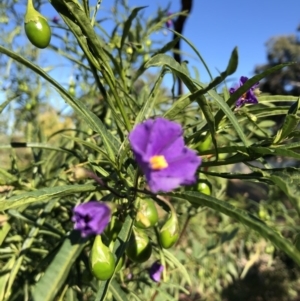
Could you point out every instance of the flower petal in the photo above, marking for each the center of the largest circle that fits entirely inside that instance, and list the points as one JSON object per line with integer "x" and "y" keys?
{"x": 243, "y": 79}
{"x": 139, "y": 136}
{"x": 179, "y": 172}
{"x": 163, "y": 134}
{"x": 155, "y": 271}
{"x": 91, "y": 218}
{"x": 249, "y": 96}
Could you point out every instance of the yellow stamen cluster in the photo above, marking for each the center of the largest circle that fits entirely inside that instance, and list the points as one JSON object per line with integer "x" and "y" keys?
{"x": 158, "y": 162}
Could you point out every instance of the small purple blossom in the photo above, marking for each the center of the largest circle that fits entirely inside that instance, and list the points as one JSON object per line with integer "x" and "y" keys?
{"x": 155, "y": 271}
{"x": 55, "y": 19}
{"x": 91, "y": 218}
{"x": 247, "y": 97}
{"x": 169, "y": 22}
{"x": 159, "y": 150}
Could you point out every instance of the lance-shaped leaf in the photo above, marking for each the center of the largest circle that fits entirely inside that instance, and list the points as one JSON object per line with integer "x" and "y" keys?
{"x": 290, "y": 123}
{"x": 200, "y": 199}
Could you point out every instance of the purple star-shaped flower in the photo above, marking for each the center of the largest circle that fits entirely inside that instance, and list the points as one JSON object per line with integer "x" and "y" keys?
{"x": 91, "y": 218}
{"x": 155, "y": 271}
{"x": 55, "y": 19}
{"x": 247, "y": 97}
{"x": 159, "y": 149}
{"x": 169, "y": 22}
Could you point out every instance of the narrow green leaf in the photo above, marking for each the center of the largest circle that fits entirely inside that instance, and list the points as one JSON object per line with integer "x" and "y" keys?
{"x": 277, "y": 98}
{"x": 44, "y": 194}
{"x": 6, "y": 178}
{"x": 290, "y": 123}
{"x": 110, "y": 142}
{"x": 243, "y": 217}
{"x": 57, "y": 272}
{"x": 195, "y": 50}
{"x": 37, "y": 145}
{"x": 181, "y": 72}
{"x": 230, "y": 115}
{"x": 4, "y": 230}
{"x": 6, "y": 103}
{"x": 287, "y": 179}
{"x": 148, "y": 105}
{"x": 4, "y": 278}
{"x": 167, "y": 47}
{"x": 164, "y": 49}
{"x": 275, "y": 151}
{"x": 90, "y": 145}
{"x": 294, "y": 107}
{"x": 179, "y": 106}
{"x": 161, "y": 60}
{"x": 71, "y": 19}
{"x": 117, "y": 291}
{"x": 28, "y": 241}
{"x": 128, "y": 23}
{"x": 179, "y": 265}
{"x": 231, "y": 68}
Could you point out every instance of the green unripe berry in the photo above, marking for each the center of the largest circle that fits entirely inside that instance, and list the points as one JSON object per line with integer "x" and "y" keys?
{"x": 203, "y": 188}
{"x": 38, "y": 33}
{"x": 139, "y": 48}
{"x": 129, "y": 50}
{"x": 205, "y": 143}
{"x": 101, "y": 259}
{"x": 146, "y": 57}
{"x": 169, "y": 233}
{"x": 36, "y": 27}
{"x": 263, "y": 213}
{"x": 146, "y": 215}
{"x": 270, "y": 249}
{"x": 139, "y": 246}
{"x": 28, "y": 106}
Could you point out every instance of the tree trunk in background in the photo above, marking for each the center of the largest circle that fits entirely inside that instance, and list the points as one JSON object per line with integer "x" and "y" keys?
{"x": 186, "y": 6}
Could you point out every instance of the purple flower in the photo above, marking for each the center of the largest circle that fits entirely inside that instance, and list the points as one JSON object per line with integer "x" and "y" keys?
{"x": 159, "y": 150}
{"x": 155, "y": 271}
{"x": 169, "y": 22}
{"x": 247, "y": 97}
{"x": 55, "y": 19}
{"x": 91, "y": 218}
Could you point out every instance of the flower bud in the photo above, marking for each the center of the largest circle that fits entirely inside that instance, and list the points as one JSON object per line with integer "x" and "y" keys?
{"x": 169, "y": 233}
{"x": 36, "y": 27}
{"x": 101, "y": 259}
{"x": 146, "y": 215}
{"x": 139, "y": 246}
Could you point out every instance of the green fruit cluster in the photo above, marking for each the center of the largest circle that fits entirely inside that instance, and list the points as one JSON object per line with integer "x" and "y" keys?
{"x": 139, "y": 247}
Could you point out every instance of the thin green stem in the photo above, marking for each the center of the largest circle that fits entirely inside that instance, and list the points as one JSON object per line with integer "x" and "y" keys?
{"x": 118, "y": 100}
